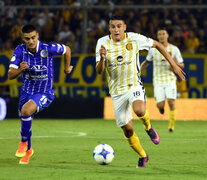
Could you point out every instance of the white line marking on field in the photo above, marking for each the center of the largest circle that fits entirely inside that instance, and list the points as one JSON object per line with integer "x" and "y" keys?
{"x": 71, "y": 134}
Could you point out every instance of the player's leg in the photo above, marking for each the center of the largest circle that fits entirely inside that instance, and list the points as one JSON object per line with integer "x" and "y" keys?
{"x": 134, "y": 143}
{"x": 159, "y": 93}
{"x": 35, "y": 104}
{"x": 38, "y": 102}
{"x": 133, "y": 140}
{"x": 172, "y": 114}
{"x": 139, "y": 108}
{"x": 28, "y": 109}
{"x": 171, "y": 93}
{"x": 123, "y": 114}
{"x": 161, "y": 107}
{"x": 137, "y": 99}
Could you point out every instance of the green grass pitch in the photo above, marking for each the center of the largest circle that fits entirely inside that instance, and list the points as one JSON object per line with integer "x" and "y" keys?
{"x": 63, "y": 151}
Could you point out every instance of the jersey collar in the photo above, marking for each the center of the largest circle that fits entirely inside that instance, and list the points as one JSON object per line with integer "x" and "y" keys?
{"x": 37, "y": 48}
{"x": 38, "y": 44}
{"x": 125, "y": 36}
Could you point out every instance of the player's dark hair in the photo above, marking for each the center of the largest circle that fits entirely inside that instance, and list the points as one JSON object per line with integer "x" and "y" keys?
{"x": 28, "y": 28}
{"x": 162, "y": 28}
{"x": 117, "y": 17}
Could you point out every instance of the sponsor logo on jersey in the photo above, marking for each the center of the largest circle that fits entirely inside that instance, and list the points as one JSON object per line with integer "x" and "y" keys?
{"x": 39, "y": 68}
{"x": 119, "y": 58}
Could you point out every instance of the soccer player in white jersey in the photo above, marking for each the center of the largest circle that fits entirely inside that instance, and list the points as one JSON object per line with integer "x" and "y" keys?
{"x": 118, "y": 53}
{"x": 34, "y": 61}
{"x": 164, "y": 80}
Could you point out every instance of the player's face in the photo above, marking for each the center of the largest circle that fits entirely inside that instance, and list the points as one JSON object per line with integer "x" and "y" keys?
{"x": 31, "y": 40}
{"x": 117, "y": 29}
{"x": 162, "y": 36}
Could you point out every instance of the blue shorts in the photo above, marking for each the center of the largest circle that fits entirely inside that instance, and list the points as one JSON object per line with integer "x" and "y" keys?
{"x": 42, "y": 101}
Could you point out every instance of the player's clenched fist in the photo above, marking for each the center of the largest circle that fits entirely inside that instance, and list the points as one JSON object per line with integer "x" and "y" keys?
{"x": 68, "y": 70}
{"x": 102, "y": 52}
{"x": 24, "y": 65}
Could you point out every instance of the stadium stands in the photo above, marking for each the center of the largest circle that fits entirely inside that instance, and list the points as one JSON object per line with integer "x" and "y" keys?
{"x": 51, "y": 22}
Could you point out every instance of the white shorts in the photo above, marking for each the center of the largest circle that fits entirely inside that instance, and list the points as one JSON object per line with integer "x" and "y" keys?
{"x": 165, "y": 91}
{"x": 123, "y": 103}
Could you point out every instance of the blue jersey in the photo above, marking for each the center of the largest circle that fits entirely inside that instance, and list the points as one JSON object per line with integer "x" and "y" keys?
{"x": 39, "y": 77}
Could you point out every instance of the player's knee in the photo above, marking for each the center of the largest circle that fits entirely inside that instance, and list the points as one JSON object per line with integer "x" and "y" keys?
{"x": 172, "y": 107}
{"x": 128, "y": 131}
{"x": 139, "y": 108}
{"x": 171, "y": 104}
{"x": 25, "y": 112}
{"x": 139, "y": 112}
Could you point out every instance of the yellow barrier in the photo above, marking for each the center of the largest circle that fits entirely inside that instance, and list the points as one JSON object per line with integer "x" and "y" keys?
{"x": 186, "y": 109}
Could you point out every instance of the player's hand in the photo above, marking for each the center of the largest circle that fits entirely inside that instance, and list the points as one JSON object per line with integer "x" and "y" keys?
{"x": 179, "y": 72}
{"x": 24, "y": 65}
{"x": 68, "y": 70}
{"x": 102, "y": 52}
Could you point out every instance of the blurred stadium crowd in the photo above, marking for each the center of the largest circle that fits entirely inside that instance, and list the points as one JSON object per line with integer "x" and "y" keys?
{"x": 187, "y": 27}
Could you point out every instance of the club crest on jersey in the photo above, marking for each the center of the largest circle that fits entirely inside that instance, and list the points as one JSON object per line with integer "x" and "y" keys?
{"x": 119, "y": 58}
{"x": 129, "y": 46}
{"x": 43, "y": 53}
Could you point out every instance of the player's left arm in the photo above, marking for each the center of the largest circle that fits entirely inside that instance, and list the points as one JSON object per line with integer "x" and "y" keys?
{"x": 176, "y": 69}
{"x": 67, "y": 57}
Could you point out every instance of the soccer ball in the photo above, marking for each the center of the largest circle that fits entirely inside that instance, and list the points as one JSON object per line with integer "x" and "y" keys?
{"x": 103, "y": 154}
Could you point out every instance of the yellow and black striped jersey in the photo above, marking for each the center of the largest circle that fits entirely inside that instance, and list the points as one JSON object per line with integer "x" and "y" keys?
{"x": 122, "y": 60}
{"x": 162, "y": 72}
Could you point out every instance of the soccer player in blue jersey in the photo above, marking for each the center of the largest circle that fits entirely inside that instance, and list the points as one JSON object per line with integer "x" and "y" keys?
{"x": 34, "y": 61}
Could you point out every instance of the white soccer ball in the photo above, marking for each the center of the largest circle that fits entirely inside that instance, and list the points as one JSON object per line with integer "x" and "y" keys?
{"x": 103, "y": 154}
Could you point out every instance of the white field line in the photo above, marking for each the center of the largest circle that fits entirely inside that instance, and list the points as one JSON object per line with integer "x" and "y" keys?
{"x": 84, "y": 135}
{"x": 71, "y": 134}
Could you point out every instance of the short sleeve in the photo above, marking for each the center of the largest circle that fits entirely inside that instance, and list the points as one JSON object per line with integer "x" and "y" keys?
{"x": 16, "y": 58}
{"x": 56, "y": 49}
{"x": 144, "y": 42}
{"x": 98, "y": 46}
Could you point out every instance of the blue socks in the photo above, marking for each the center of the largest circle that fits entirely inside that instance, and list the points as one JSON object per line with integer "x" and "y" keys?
{"x": 26, "y": 130}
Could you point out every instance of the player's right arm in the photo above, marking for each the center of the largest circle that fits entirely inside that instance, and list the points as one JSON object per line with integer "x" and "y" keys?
{"x": 100, "y": 55}
{"x": 68, "y": 68}
{"x": 14, "y": 73}
{"x": 100, "y": 66}
{"x": 17, "y": 66}
{"x": 147, "y": 61}
{"x": 144, "y": 65}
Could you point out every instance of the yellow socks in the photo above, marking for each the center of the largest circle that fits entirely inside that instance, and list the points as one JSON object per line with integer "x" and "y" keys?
{"x": 172, "y": 114}
{"x": 146, "y": 120}
{"x": 135, "y": 144}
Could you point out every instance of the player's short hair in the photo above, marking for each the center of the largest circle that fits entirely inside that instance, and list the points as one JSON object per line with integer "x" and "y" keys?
{"x": 28, "y": 28}
{"x": 162, "y": 28}
{"x": 117, "y": 17}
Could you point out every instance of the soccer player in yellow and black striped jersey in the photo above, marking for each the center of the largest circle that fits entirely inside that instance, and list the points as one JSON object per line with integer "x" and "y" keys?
{"x": 118, "y": 53}
{"x": 164, "y": 80}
